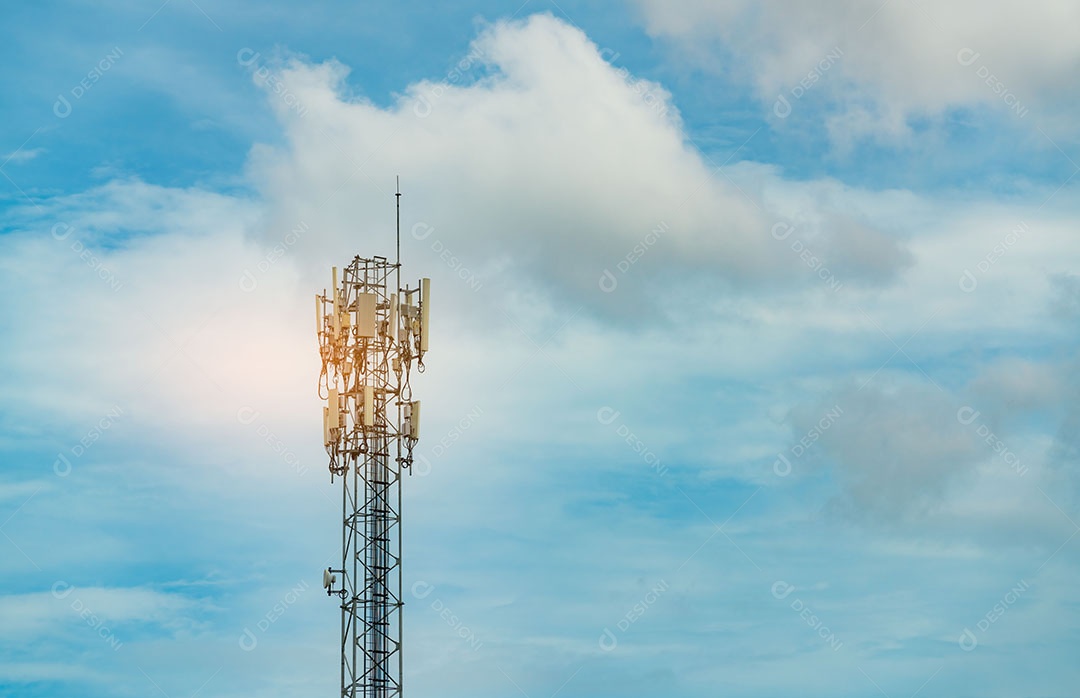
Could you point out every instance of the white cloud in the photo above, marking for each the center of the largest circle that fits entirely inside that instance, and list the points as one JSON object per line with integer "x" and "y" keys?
{"x": 883, "y": 63}
{"x": 21, "y": 155}
{"x": 550, "y": 169}
{"x": 68, "y": 606}
{"x": 901, "y": 449}
{"x": 895, "y": 452}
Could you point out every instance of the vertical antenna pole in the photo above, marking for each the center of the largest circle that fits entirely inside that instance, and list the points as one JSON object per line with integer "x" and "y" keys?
{"x": 397, "y": 196}
{"x": 400, "y": 461}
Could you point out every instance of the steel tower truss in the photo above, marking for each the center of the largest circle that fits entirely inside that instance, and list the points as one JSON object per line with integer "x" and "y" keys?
{"x": 372, "y": 334}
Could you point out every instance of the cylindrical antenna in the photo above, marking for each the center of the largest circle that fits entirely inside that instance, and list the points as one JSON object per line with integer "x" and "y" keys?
{"x": 397, "y": 196}
{"x": 397, "y": 264}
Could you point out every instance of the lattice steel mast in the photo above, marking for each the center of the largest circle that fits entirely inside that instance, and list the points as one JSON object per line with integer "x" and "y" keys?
{"x": 372, "y": 333}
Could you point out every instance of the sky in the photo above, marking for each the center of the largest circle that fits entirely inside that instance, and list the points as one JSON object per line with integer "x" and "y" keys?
{"x": 753, "y": 359}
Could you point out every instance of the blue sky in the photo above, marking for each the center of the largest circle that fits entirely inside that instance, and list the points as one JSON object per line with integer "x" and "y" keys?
{"x": 753, "y": 367}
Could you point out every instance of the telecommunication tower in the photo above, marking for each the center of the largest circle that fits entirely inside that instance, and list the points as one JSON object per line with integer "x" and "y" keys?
{"x": 372, "y": 333}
